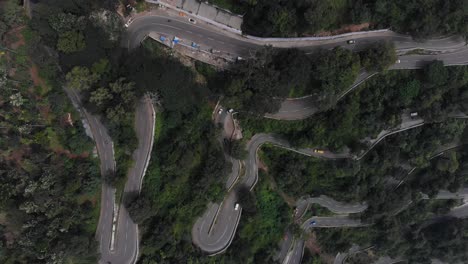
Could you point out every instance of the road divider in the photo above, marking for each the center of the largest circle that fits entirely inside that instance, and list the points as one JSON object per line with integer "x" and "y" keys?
{"x": 115, "y": 216}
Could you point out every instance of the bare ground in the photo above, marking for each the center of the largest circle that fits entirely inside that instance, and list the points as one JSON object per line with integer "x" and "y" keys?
{"x": 342, "y": 30}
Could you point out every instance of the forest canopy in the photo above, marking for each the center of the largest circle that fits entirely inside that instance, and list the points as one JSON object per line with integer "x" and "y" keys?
{"x": 420, "y": 18}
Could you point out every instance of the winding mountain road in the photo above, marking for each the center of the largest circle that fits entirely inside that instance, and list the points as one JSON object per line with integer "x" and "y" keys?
{"x": 334, "y": 206}
{"x": 125, "y": 248}
{"x": 122, "y": 247}
{"x": 451, "y": 50}
{"x": 213, "y": 231}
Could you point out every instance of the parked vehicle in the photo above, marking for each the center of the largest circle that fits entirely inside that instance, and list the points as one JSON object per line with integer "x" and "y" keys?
{"x": 319, "y": 151}
{"x": 236, "y": 207}
{"x": 351, "y": 41}
{"x": 191, "y": 20}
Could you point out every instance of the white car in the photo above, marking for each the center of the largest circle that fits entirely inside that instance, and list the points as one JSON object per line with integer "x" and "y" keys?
{"x": 220, "y": 111}
{"x": 231, "y": 111}
{"x": 191, "y": 20}
{"x": 398, "y": 61}
{"x": 129, "y": 22}
{"x": 351, "y": 41}
{"x": 236, "y": 207}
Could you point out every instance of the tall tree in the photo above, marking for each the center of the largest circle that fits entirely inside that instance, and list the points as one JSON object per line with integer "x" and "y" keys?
{"x": 71, "y": 41}
{"x": 80, "y": 78}
{"x": 379, "y": 56}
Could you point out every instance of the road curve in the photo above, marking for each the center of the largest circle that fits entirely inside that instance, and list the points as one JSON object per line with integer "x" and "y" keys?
{"x": 126, "y": 248}
{"x": 451, "y": 50}
{"x": 214, "y": 231}
{"x": 297, "y": 109}
{"x": 334, "y": 206}
{"x": 295, "y": 255}
{"x": 206, "y": 35}
{"x": 105, "y": 151}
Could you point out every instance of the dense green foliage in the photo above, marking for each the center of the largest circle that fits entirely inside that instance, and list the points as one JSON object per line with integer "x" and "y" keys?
{"x": 49, "y": 184}
{"x": 185, "y": 174}
{"x": 379, "y": 56}
{"x": 376, "y": 105}
{"x": 420, "y": 18}
{"x": 259, "y": 84}
{"x": 89, "y": 55}
{"x": 298, "y": 175}
{"x": 70, "y": 41}
{"x": 231, "y": 5}
{"x": 259, "y": 233}
{"x": 186, "y": 171}
{"x": 397, "y": 230}
{"x": 417, "y": 234}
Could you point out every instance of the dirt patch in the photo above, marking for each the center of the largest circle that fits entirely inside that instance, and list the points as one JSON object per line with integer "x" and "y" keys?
{"x": 288, "y": 199}
{"x": 45, "y": 111}
{"x": 9, "y": 238}
{"x": 342, "y": 30}
{"x": 12, "y": 72}
{"x": 16, "y": 155}
{"x": 14, "y": 39}
{"x": 34, "y": 72}
{"x": 20, "y": 41}
{"x": 70, "y": 155}
{"x": 312, "y": 245}
{"x": 262, "y": 166}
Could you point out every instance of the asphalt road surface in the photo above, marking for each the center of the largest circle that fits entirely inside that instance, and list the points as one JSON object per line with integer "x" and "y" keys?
{"x": 214, "y": 231}
{"x": 285, "y": 244}
{"x": 295, "y": 255}
{"x": 126, "y": 237}
{"x": 126, "y": 242}
{"x": 452, "y": 50}
{"x": 107, "y": 163}
{"x": 166, "y": 24}
{"x": 334, "y": 206}
{"x": 303, "y": 107}
{"x": 332, "y": 221}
